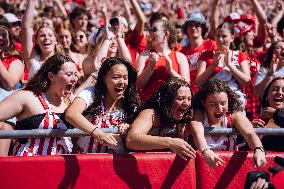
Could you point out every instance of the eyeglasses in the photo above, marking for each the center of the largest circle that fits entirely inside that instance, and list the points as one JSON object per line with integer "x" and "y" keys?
{"x": 154, "y": 29}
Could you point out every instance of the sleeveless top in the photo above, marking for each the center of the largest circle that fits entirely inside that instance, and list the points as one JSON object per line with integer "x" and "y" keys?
{"x": 106, "y": 119}
{"x": 159, "y": 76}
{"x": 35, "y": 66}
{"x": 48, "y": 145}
{"x": 225, "y": 142}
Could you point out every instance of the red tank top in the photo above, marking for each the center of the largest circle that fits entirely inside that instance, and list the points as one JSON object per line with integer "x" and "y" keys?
{"x": 159, "y": 76}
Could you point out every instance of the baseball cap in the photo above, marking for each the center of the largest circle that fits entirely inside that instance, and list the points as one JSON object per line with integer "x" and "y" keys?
{"x": 11, "y": 18}
{"x": 233, "y": 17}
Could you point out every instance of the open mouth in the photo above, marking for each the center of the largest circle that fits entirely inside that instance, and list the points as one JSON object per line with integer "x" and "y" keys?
{"x": 48, "y": 43}
{"x": 278, "y": 100}
{"x": 182, "y": 110}
{"x": 119, "y": 90}
{"x": 282, "y": 54}
{"x": 69, "y": 88}
{"x": 218, "y": 115}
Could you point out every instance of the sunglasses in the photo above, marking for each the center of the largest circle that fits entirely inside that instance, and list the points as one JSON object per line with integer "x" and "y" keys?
{"x": 80, "y": 36}
{"x": 154, "y": 29}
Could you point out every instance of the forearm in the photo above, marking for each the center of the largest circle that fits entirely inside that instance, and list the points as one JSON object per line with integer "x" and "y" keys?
{"x": 259, "y": 11}
{"x": 260, "y": 87}
{"x": 79, "y": 121}
{"x": 27, "y": 31}
{"x": 61, "y": 8}
{"x": 144, "y": 77}
{"x": 123, "y": 49}
{"x": 241, "y": 77}
{"x": 103, "y": 51}
{"x": 141, "y": 19}
{"x": 147, "y": 142}
{"x": 201, "y": 78}
{"x": 7, "y": 80}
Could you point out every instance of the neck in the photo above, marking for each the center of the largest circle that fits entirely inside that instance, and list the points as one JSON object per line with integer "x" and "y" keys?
{"x": 44, "y": 56}
{"x": 111, "y": 103}
{"x": 53, "y": 97}
{"x": 195, "y": 42}
{"x": 163, "y": 49}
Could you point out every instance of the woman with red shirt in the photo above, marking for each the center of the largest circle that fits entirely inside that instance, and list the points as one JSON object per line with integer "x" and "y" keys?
{"x": 159, "y": 63}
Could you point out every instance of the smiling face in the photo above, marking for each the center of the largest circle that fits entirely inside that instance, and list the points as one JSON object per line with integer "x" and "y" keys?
{"x": 65, "y": 80}
{"x": 116, "y": 81}
{"x": 4, "y": 39}
{"x": 113, "y": 46}
{"x": 46, "y": 40}
{"x": 216, "y": 106}
{"x": 181, "y": 103}
{"x": 248, "y": 38}
{"x": 223, "y": 38}
{"x": 276, "y": 94}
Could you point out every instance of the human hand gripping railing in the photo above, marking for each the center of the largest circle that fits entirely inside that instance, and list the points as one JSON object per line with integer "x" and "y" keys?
{"x": 38, "y": 133}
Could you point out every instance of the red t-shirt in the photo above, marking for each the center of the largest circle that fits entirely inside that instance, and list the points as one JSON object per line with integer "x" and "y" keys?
{"x": 136, "y": 43}
{"x": 193, "y": 55}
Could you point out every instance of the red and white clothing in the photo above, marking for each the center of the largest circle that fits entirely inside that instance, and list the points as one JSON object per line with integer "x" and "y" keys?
{"x": 193, "y": 55}
{"x": 106, "y": 119}
{"x": 44, "y": 146}
{"x": 225, "y": 142}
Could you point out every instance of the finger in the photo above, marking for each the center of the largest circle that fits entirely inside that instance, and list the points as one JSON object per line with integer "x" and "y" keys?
{"x": 188, "y": 155}
{"x": 190, "y": 147}
{"x": 190, "y": 152}
{"x": 220, "y": 160}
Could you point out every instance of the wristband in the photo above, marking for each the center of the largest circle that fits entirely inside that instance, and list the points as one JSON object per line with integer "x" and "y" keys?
{"x": 258, "y": 148}
{"x": 93, "y": 131}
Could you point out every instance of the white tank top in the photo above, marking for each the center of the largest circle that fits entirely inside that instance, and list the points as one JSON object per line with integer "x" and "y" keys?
{"x": 35, "y": 66}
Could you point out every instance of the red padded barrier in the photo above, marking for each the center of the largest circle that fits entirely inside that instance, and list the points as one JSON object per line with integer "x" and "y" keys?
{"x": 233, "y": 174}
{"x": 137, "y": 170}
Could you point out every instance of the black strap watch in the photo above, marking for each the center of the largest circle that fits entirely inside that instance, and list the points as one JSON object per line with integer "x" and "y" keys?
{"x": 258, "y": 148}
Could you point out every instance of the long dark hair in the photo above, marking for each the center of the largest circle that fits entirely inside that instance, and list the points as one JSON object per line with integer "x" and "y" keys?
{"x": 212, "y": 86}
{"x": 40, "y": 82}
{"x": 264, "y": 100}
{"x": 131, "y": 100}
{"x": 163, "y": 99}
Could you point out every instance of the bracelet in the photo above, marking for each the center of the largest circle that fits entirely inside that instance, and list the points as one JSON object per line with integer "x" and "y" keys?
{"x": 203, "y": 151}
{"x": 258, "y": 148}
{"x": 93, "y": 130}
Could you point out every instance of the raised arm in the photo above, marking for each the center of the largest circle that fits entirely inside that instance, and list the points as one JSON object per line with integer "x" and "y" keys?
{"x": 262, "y": 19}
{"x": 214, "y": 18}
{"x": 61, "y": 8}
{"x": 27, "y": 32}
{"x": 138, "y": 138}
{"x": 11, "y": 76}
{"x": 279, "y": 13}
{"x": 140, "y": 17}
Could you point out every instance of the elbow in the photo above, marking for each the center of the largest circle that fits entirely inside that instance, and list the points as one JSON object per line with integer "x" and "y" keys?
{"x": 9, "y": 86}
{"x": 69, "y": 115}
{"x": 129, "y": 142}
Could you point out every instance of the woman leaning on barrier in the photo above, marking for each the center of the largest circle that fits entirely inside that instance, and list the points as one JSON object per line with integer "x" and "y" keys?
{"x": 169, "y": 107}
{"x": 111, "y": 104}
{"x": 41, "y": 105}
{"x": 216, "y": 105}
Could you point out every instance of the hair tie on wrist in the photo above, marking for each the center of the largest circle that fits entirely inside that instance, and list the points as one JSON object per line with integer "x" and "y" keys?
{"x": 93, "y": 131}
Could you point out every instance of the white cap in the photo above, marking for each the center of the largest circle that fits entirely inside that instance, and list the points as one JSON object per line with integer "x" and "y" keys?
{"x": 11, "y": 18}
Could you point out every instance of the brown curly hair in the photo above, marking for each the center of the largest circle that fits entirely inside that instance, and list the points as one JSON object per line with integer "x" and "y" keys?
{"x": 216, "y": 86}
